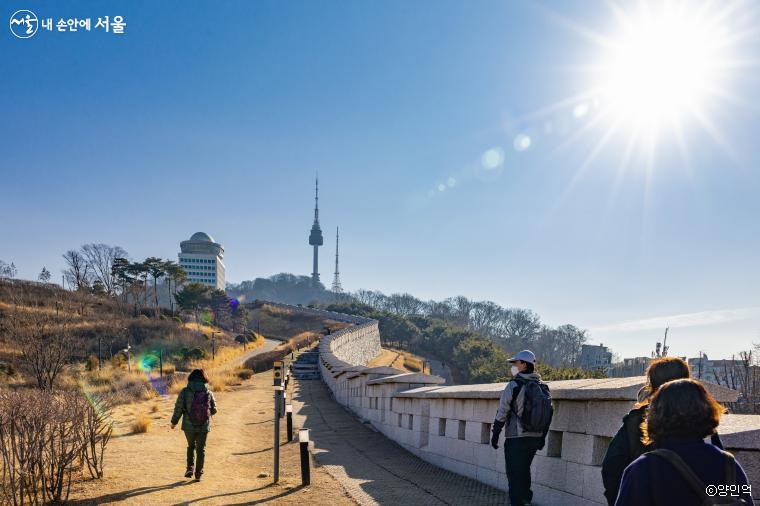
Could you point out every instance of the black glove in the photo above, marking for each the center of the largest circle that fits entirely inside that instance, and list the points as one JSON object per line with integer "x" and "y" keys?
{"x": 495, "y": 431}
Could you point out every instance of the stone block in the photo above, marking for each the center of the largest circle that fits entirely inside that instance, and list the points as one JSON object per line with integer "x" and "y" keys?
{"x": 467, "y": 409}
{"x": 473, "y": 431}
{"x": 461, "y": 450}
{"x": 573, "y": 479}
{"x": 452, "y": 428}
{"x": 604, "y": 418}
{"x": 452, "y": 408}
{"x": 584, "y": 448}
{"x": 484, "y": 410}
{"x": 437, "y": 445}
{"x": 463, "y": 468}
{"x": 436, "y": 408}
{"x": 549, "y": 471}
{"x": 488, "y": 458}
{"x": 487, "y": 476}
{"x": 593, "y": 488}
{"x": 569, "y": 416}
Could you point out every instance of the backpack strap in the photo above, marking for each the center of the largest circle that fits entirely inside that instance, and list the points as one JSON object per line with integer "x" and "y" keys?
{"x": 519, "y": 382}
{"x": 685, "y": 471}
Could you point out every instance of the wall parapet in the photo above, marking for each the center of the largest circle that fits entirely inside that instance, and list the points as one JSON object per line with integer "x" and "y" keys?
{"x": 450, "y": 426}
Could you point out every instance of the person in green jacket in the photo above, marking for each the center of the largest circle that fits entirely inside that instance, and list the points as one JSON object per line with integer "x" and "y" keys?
{"x": 195, "y": 405}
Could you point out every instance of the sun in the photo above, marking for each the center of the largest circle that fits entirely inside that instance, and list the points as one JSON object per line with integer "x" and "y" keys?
{"x": 663, "y": 64}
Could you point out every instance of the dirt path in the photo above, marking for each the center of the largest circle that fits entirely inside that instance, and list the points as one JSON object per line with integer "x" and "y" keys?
{"x": 147, "y": 469}
{"x": 269, "y": 345}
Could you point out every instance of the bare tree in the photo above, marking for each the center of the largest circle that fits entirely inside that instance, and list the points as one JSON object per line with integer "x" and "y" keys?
{"x": 100, "y": 259}
{"x": 7, "y": 271}
{"x": 519, "y": 327}
{"x": 484, "y": 318}
{"x": 404, "y": 304}
{"x": 78, "y": 272}
{"x": 46, "y": 344}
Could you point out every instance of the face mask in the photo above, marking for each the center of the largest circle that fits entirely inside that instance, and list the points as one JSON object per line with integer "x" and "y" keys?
{"x": 515, "y": 370}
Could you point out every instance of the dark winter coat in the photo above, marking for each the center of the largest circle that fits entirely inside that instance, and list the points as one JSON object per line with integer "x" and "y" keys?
{"x": 624, "y": 448}
{"x": 653, "y": 481}
{"x": 185, "y": 403}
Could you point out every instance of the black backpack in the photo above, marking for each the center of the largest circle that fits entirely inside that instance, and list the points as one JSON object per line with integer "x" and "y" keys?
{"x": 537, "y": 409}
{"x": 697, "y": 485}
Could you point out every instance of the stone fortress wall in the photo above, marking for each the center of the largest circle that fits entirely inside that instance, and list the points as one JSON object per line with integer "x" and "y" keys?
{"x": 450, "y": 426}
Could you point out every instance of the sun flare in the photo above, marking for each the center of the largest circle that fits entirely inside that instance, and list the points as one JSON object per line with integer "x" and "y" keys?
{"x": 662, "y": 65}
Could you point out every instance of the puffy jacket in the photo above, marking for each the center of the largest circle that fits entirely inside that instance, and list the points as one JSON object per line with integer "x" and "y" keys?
{"x": 652, "y": 481}
{"x": 626, "y": 447}
{"x": 513, "y": 428}
{"x": 185, "y": 403}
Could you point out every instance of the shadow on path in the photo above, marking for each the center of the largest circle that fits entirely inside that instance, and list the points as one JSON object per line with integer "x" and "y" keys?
{"x": 374, "y": 469}
{"x": 250, "y": 491}
{"x": 128, "y": 494}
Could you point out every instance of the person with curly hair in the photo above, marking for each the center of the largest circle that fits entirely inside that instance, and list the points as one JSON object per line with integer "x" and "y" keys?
{"x": 681, "y": 415}
{"x": 627, "y": 446}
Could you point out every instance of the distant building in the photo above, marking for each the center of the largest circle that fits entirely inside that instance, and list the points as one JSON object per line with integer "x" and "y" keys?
{"x": 714, "y": 371}
{"x": 595, "y": 357}
{"x": 635, "y": 366}
{"x": 201, "y": 258}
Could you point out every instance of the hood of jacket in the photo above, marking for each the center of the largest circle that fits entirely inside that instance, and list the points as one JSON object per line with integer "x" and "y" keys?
{"x": 197, "y": 386}
{"x": 530, "y": 376}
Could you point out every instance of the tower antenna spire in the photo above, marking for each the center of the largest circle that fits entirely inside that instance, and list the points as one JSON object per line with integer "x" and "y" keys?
{"x": 336, "y": 286}
{"x": 316, "y": 200}
{"x": 315, "y": 237}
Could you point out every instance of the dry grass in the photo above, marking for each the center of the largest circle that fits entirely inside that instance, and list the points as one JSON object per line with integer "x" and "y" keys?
{"x": 154, "y": 408}
{"x": 200, "y": 327}
{"x": 415, "y": 363}
{"x": 400, "y": 360}
{"x": 142, "y": 424}
{"x": 224, "y": 355}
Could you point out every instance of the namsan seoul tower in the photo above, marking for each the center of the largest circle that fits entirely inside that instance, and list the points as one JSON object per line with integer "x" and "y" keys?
{"x": 315, "y": 237}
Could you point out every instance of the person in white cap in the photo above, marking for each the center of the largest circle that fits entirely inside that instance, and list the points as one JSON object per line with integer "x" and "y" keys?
{"x": 525, "y": 412}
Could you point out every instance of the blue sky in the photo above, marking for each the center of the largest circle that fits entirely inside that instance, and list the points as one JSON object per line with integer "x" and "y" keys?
{"x": 211, "y": 118}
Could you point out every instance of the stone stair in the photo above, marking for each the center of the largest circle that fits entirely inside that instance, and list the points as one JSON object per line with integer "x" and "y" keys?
{"x": 306, "y": 366}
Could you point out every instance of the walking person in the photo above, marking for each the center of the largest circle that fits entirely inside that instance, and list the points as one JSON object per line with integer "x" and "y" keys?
{"x": 683, "y": 469}
{"x": 195, "y": 405}
{"x": 525, "y": 412}
{"x": 627, "y": 446}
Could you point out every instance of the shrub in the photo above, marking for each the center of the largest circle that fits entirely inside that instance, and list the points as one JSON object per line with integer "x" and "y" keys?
{"x": 245, "y": 374}
{"x": 196, "y": 353}
{"x": 142, "y": 424}
{"x": 44, "y": 437}
{"x": 119, "y": 361}
{"x": 92, "y": 363}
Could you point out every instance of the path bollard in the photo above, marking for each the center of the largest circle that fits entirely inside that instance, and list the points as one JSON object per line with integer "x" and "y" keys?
{"x": 278, "y": 395}
{"x": 283, "y": 403}
{"x": 289, "y": 414}
{"x": 303, "y": 439}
